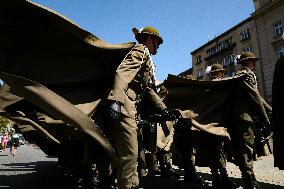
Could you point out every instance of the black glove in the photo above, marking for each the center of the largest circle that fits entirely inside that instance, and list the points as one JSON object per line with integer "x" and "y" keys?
{"x": 155, "y": 118}
{"x": 171, "y": 115}
{"x": 114, "y": 110}
{"x": 182, "y": 126}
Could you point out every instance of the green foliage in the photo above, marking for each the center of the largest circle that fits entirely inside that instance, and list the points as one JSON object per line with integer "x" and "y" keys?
{"x": 3, "y": 124}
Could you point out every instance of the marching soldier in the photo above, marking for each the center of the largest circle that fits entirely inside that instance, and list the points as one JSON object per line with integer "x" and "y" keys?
{"x": 217, "y": 148}
{"x": 134, "y": 78}
{"x": 217, "y": 72}
{"x": 184, "y": 148}
{"x": 242, "y": 124}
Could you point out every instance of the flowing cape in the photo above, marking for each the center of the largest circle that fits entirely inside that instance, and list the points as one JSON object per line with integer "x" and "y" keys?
{"x": 209, "y": 104}
{"x": 52, "y": 66}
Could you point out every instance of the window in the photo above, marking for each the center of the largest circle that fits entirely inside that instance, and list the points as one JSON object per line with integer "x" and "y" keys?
{"x": 219, "y": 47}
{"x": 199, "y": 73}
{"x": 198, "y": 59}
{"x": 278, "y": 28}
{"x": 280, "y": 52}
{"x": 231, "y": 58}
{"x": 224, "y": 61}
{"x": 245, "y": 34}
{"x": 247, "y": 49}
{"x": 223, "y": 44}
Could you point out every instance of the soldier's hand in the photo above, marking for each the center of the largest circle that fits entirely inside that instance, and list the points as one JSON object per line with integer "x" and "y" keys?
{"x": 171, "y": 114}
{"x": 114, "y": 110}
{"x": 181, "y": 125}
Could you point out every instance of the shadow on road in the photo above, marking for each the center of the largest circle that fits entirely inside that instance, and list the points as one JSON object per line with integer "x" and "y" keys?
{"x": 34, "y": 175}
{"x": 46, "y": 175}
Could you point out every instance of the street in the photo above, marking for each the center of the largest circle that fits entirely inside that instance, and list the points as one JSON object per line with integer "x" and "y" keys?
{"x": 31, "y": 169}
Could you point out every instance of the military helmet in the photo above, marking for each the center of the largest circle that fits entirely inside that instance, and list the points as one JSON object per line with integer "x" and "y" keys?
{"x": 148, "y": 31}
{"x": 217, "y": 68}
{"x": 246, "y": 56}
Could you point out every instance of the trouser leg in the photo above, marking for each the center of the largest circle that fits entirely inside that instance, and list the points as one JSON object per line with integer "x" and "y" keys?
{"x": 153, "y": 163}
{"x": 243, "y": 145}
{"x": 141, "y": 155}
{"x": 124, "y": 137}
{"x": 141, "y": 163}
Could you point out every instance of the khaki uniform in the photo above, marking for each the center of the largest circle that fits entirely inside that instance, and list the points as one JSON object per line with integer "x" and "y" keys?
{"x": 134, "y": 77}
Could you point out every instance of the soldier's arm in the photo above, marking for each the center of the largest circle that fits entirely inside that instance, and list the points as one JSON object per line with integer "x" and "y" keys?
{"x": 154, "y": 100}
{"x": 126, "y": 72}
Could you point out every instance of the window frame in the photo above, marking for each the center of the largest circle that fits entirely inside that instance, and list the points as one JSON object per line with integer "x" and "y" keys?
{"x": 280, "y": 51}
{"x": 278, "y": 28}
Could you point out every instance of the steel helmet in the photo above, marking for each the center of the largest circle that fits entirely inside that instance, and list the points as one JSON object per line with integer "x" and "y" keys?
{"x": 246, "y": 56}
{"x": 148, "y": 31}
{"x": 217, "y": 68}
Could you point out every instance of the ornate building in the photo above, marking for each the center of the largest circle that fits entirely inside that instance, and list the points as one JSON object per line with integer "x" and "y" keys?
{"x": 224, "y": 48}
{"x": 261, "y": 34}
{"x": 269, "y": 20}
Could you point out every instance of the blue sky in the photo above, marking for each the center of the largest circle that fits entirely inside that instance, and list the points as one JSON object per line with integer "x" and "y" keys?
{"x": 184, "y": 25}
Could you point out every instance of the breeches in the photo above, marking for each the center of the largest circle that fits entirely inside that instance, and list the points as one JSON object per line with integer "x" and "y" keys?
{"x": 242, "y": 136}
{"x": 124, "y": 138}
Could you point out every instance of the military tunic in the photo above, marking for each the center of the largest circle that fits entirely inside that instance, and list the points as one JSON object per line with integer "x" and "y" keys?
{"x": 134, "y": 77}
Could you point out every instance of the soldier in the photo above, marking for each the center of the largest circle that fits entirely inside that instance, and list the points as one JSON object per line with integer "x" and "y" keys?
{"x": 184, "y": 149}
{"x": 217, "y": 72}
{"x": 163, "y": 154}
{"x": 134, "y": 78}
{"x": 217, "y": 148}
{"x": 242, "y": 124}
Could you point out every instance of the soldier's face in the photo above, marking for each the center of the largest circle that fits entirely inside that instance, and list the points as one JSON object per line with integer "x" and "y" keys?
{"x": 250, "y": 63}
{"x": 152, "y": 43}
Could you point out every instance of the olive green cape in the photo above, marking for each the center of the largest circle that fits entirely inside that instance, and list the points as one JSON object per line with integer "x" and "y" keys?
{"x": 55, "y": 70}
{"x": 208, "y": 105}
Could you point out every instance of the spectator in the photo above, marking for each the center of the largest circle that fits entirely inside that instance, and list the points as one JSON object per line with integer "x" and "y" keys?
{"x": 4, "y": 141}
{"x": 14, "y": 143}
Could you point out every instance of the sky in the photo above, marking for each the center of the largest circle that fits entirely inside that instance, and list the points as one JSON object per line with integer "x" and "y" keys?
{"x": 184, "y": 25}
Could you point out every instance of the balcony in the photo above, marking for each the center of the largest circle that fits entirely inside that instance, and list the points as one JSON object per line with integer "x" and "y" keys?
{"x": 220, "y": 51}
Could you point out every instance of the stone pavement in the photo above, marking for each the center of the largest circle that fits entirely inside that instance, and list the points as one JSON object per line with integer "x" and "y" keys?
{"x": 268, "y": 176}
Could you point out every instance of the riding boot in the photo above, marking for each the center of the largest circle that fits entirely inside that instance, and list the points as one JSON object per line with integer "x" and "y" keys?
{"x": 216, "y": 179}
{"x": 190, "y": 175}
{"x": 171, "y": 171}
{"x": 165, "y": 167}
{"x": 164, "y": 171}
{"x": 250, "y": 182}
{"x": 226, "y": 181}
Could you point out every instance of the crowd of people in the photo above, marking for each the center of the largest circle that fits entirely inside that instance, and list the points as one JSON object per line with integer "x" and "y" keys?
{"x": 10, "y": 141}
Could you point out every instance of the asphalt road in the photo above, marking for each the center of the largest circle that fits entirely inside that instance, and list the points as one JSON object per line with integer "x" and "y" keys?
{"x": 32, "y": 169}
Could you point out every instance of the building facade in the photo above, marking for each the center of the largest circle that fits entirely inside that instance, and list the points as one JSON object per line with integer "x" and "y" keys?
{"x": 224, "y": 48}
{"x": 261, "y": 34}
{"x": 269, "y": 20}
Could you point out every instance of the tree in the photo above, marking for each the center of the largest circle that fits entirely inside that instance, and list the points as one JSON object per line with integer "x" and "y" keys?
{"x": 3, "y": 124}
